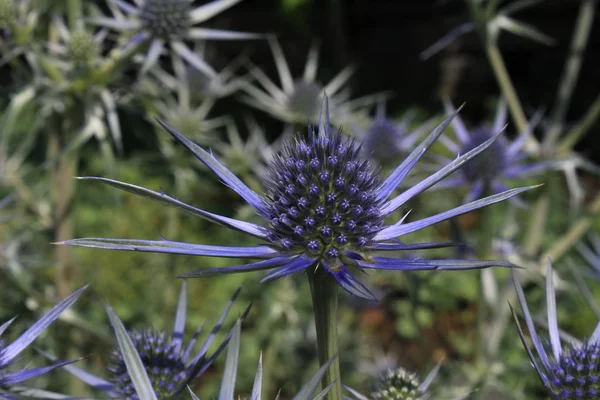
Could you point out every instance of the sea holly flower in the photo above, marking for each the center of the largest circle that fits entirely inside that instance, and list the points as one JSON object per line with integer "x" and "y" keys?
{"x": 168, "y": 364}
{"x": 502, "y": 162}
{"x": 571, "y": 372}
{"x": 298, "y": 99}
{"x": 399, "y": 384}
{"x": 387, "y": 139}
{"x": 324, "y": 207}
{"x": 170, "y": 23}
{"x": 9, "y": 353}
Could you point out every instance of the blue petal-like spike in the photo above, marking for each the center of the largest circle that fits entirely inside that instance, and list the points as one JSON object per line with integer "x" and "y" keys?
{"x": 167, "y": 246}
{"x": 415, "y": 246}
{"x": 431, "y": 180}
{"x": 257, "y": 266}
{"x": 297, "y": 264}
{"x": 180, "y": 316}
{"x": 11, "y": 378}
{"x": 225, "y": 174}
{"x": 350, "y": 284}
{"x": 399, "y": 173}
{"x": 399, "y": 264}
{"x": 246, "y": 227}
{"x": 16, "y": 347}
{"x": 402, "y": 229}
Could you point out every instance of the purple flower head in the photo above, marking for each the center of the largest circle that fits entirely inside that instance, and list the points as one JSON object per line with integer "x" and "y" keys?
{"x": 502, "y": 162}
{"x": 9, "y": 352}
{"x": 567, "y": 373}
{"x": 324, "y": 207}
{"x": 169, "y": 365}
{"x": 387, "y": 140}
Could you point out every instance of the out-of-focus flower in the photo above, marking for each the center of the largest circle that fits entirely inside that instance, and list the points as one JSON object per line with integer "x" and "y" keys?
{"x": 227, "y": 390}
{"x": 298, "y": 100}
{"x": 170, "y": 22}
{"x": 325, "y": 205}
{"x": 387, "y": 139}
{"x": 504, "y": 160}
{"x": 568, "y": 373}
{"x": 17, "y": 22}
{"x": 9, "y": 352}
{"x": 169, "y": 365}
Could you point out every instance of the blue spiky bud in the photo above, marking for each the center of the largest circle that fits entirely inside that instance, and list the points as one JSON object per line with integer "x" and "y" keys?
{"x": 166, "y": 18}
{"x": 322, "y": 196}
{"x": 491, "y": 163}
{"x": 163, "y": 360}
{"x": 576, "y": 375}
{"x": 398, "y": 384}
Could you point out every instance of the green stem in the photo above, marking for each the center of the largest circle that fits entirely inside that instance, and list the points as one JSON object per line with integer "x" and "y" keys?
{"x": 582, "y": 127}
{"x": 324, "y": 288}
{"x": 583, "y": 27}
{"x": 481, "y": 20}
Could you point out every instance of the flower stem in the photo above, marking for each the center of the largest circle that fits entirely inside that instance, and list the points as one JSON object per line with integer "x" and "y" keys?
{"x": 324, "y": 288}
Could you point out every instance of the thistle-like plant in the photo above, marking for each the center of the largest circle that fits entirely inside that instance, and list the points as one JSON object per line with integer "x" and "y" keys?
{"x": 568, "y": 373}
{"x": 298, "y": 99}
{"x": 386, "y": 139}
{"x": 325, "y": 207}
{"x": 17, "y": 22}
{"x": 169, "y": 24}
{"x": 502, "y": 162}
{"x": 168, "y": 364}
{"x": 399, "y": 384}
{"x": 227, "y": 390}
{"x": 10, "y": 380}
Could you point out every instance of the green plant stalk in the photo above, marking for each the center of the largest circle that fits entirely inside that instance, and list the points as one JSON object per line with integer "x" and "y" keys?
{"x": 572, "y": 67}
{"x": 496, "y": 61}
{"x": 324, "y": 289}
{"x": 537, "y": 225}
{"x": 573, "y": 235}
{"x": 74, "y": 11}
{"x": 577, "y": 132}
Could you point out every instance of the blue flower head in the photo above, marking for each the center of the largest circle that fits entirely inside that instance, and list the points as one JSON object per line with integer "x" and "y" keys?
{"x": 386, "y": 139}
{"x": 567, "y": 373}
{"x": 501, "y": 162}
{"x": 324, "y": 206}
{"x": 9, "y": 352}
{"x": 169, "y": 365}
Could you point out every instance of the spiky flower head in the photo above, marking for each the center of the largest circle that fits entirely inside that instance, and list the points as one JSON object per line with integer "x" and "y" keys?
{"x": 9, "y": 353}
{"x": 567, "y": 373}
{"x": 166, "y": 19}
{"x": 503, "y": 160}
{"x": 324, "y": 208}
{"x": 8, "y": 14}
{"x": 163, "y": 358}
{"x": 398, "y": 384}
{"x": 170, "y": 24}
{"x": 83, "y": 49}
{"x": 298, "y": 98}
{"x": 387, "y": 140}
{"x": 168, "y": 364}
{"x": 321, "y": 197}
